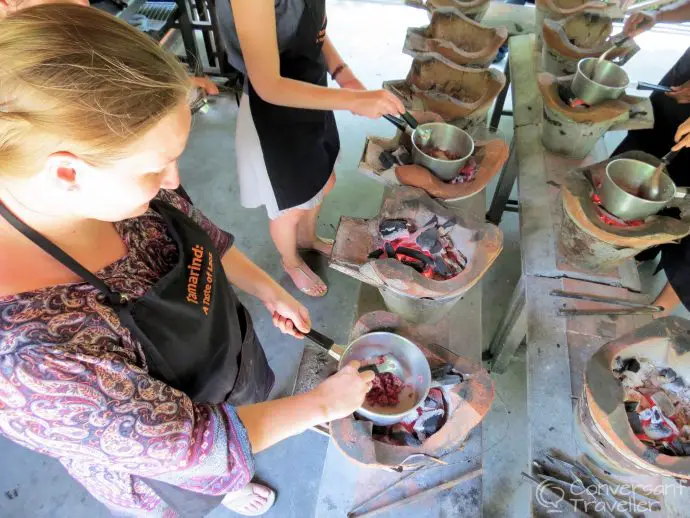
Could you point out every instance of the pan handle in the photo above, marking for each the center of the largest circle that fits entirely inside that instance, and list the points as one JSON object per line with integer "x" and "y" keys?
{"x": 320, "y": 339}
{"x": 398, "y": 123}
{"x": 642, "y": 85}
{"x": 411, "y": 121}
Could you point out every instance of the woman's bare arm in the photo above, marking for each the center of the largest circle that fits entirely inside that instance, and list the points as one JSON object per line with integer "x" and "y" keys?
{"x": 262, "y": 60}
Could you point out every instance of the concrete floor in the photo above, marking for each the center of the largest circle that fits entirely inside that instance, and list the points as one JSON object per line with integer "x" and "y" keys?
{"x": 369, "y": 35}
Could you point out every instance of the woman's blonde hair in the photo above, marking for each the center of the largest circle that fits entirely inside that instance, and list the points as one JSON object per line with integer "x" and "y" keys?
{"x": 75, "y": 79}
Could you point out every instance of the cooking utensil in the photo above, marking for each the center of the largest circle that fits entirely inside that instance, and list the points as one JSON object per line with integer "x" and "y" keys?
{"x": 413, "y": 368}
{"x": 598, "y": 72}
{"x": 612, "y": 81}
{"x": 621, "y": 183}
{"x": 439, "y": 135}
{"x": 650, "y": 189}
{"x": 632, "y": 308}
{"x": 641, "y": 85}
{"x": 335, "y": 351}
{"x": 418, "y": 496}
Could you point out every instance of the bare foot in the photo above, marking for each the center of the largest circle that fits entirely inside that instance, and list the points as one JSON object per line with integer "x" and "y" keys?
{"x": 306, "y": 280}
{"x": 251, "y": 500}
{"x": 320, "y": 244}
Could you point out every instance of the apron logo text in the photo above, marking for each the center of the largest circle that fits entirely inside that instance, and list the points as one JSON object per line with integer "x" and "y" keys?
{"x": 209, "y": 285}
{"x": 197, "y": 276}
{"x": 194, "y": 269}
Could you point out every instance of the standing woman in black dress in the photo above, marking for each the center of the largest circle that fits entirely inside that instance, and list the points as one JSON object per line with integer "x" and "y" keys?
{"x": 286, "y": 140}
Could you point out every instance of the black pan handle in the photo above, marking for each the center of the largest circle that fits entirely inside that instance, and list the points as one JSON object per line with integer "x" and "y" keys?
{"x": 666, "y": 159}
{"x": 398, "y": 123}
{"x": 411, "y": 121}
{"x": 327, "y": 343}
{"x": 320, "y": 339}
{"x": 641, "y": 85}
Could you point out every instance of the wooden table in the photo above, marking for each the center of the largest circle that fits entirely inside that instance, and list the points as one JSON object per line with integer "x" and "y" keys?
{"x": 345, "y": 484}
{"x": 557, "y": 347}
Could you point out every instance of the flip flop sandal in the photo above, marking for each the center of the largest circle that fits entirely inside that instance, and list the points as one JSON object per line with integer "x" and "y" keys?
{"x": 323, "y": 240}
{"x": 270, "y": 500}
{"x": 311, "y": 276}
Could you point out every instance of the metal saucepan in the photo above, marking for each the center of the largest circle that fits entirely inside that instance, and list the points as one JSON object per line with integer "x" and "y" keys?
{"x": 611, "y": 84}
{"x": 414, "y": 367}
{"x": 623, "y": 179}
{"x": 440, "y": 135}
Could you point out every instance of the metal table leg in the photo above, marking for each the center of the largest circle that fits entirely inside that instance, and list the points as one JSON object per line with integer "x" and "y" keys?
{"x": 506, "y": 180}
{"x": 511, "y": 331}
{"x": 501, "y": 99}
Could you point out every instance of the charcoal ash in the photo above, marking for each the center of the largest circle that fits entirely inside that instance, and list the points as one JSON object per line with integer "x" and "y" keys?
{"x": 428, "y": 239}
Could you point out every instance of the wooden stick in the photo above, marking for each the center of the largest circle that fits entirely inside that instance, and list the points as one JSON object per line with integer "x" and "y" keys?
{"x": 421, "y": 495}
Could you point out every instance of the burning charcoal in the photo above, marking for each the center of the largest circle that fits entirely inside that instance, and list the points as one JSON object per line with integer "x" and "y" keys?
{"x": 391, "y": 229}
{"x": 404, "y": 438}
{"x": 632, "y": 406}
{"x": 635, "y": 423}
{"x": 417, "y": 265}
{"x": 437, "y": 248}
{"x": 415, "y": 254}
{"x": 629, "y": 364}
{"x": 375, "y": 254}
{"x": 441, "y": 268}
{"x": 450, "y": 223}
{"x": 428, "y": 239}
{"x": 665, "y": 405}
{"x": 432, "y": 222}
{"x": 390, "y": 252}
{"x": 432, "y": 424}
{"x": 656, "y": 426}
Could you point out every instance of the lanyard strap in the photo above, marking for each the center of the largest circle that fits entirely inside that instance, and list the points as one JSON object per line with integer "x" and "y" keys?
{"x": 60, "y": 255}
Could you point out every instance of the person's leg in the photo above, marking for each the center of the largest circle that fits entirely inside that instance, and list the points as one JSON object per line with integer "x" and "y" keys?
{"x": 306, "y": 227}
{"x": 667, "y": 299}
{"x": 284, "y": 233}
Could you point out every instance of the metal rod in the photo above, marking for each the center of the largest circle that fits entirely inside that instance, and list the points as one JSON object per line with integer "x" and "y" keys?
{"x": 613, "y": 312}
{"x": 401, "y": 479}
{"x": 610, "y": 300}
{"x": 419, "y": 496}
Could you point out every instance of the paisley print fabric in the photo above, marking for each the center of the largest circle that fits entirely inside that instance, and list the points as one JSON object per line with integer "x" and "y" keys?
{"x": 74, "y": 385}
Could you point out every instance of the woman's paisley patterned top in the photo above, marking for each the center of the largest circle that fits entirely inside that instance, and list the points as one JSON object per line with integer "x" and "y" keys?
{"x": 74, "y": 385}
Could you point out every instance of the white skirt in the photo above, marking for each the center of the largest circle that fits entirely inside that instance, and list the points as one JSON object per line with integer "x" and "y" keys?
{"x": 255, "y": 185}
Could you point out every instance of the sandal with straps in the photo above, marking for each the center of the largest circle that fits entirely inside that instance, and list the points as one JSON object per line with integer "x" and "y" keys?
{"x": 316, "y": 288}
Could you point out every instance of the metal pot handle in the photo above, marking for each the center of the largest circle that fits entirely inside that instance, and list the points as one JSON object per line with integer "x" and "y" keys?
{"x": 334, "y": 350}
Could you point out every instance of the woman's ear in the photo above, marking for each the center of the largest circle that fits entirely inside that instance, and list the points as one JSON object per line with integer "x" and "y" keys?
{"x": 61, "y": 170}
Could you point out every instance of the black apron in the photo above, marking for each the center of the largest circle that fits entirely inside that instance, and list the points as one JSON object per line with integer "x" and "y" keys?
{"x": 196, "y": 335}
{"x": 668, "y": 115}
{"x": 299, "y": 146}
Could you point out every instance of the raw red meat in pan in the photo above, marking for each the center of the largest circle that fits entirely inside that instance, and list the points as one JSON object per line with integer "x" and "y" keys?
{"x": 385, "y": 390}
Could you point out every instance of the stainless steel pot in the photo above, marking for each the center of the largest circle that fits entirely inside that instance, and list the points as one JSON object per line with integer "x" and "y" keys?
{"x": 414, "y": 366}
{"x": 623, "y": 178}
{"x": 613, "y": 81}
{"x": 440, "y": 135}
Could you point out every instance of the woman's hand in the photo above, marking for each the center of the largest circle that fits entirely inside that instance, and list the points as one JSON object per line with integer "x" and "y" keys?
{"x": 206, "y": 85}
{"x": 682, "y": 136}
{"x": 376, "y": 103}
{"x": 681, "y": 93}
{"x": 637, "y": 23}
{"x": 291, "y": 317}
{"x": 344, "y": 392}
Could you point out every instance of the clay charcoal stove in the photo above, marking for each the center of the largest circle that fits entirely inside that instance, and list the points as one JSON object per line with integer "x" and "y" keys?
{"x": 593, "y": 239}
{"x": 635, "y": 409}
{"x": 429, "y": 250}
{"x": 420, "y": 255}
{"x": 459, "y": 399}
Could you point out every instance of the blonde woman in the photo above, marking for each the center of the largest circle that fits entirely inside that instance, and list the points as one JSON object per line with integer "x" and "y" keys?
{"x": 124, "y": 351}
{"x": 286, "y": 140}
